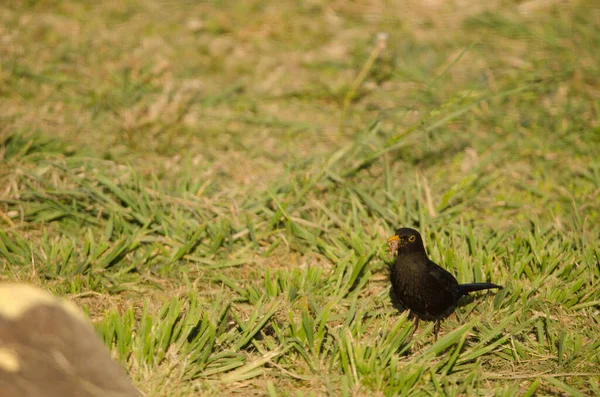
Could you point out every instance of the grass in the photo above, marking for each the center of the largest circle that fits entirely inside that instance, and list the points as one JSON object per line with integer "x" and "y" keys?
{"x": 214, "y": 183}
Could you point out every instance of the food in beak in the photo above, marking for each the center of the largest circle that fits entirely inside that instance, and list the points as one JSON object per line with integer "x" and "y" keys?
{"x": 393, "y": 243}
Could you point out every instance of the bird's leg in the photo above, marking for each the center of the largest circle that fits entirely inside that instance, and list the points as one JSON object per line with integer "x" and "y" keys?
{"x": 415, "y": 324}
{"x": 436, "y": 329}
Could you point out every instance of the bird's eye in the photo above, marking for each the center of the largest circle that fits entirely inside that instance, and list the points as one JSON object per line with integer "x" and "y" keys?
{"x": 412, "y": 238}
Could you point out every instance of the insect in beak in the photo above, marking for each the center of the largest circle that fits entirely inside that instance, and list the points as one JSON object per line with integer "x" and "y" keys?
{"x": 393, "y": 243}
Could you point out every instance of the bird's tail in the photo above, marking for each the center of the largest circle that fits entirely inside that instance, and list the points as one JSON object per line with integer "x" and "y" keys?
{"x": 472, "y": 287}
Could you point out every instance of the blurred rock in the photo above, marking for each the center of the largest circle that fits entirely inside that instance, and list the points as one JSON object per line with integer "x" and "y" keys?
{"x": 48, "y": 348}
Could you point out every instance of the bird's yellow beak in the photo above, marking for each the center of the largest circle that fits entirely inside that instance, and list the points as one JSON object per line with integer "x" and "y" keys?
{"x": 393, "y": 238}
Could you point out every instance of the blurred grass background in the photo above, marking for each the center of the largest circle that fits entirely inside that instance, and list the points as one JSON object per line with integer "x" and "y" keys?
{"x": 214, "y": 183}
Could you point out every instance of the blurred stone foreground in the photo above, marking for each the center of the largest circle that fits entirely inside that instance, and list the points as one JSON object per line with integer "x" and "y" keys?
{"x": 48, "y": 348}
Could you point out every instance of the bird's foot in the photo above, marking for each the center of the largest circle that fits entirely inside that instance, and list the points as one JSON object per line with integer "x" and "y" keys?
{"x": 436, "y": 329}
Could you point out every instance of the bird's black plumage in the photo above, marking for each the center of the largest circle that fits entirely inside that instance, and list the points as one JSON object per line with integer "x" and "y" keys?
{"x": 430, "y": 292}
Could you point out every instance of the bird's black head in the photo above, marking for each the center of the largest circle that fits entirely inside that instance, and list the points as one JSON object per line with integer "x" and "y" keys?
{"x": 406, "y": 240}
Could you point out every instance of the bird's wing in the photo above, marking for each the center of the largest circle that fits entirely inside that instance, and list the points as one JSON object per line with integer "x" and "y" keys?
{"x": 445, "y": 279}
{"x": 443, "y": 282}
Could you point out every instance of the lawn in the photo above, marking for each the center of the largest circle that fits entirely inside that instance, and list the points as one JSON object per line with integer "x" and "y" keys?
{"x": 214, "y": 183}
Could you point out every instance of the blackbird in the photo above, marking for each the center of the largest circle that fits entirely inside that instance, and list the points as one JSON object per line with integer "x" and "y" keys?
{"x": 420, "y": 285}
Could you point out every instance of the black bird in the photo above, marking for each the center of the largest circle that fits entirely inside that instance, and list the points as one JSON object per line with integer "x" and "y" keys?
{"x": 430, "y": 292}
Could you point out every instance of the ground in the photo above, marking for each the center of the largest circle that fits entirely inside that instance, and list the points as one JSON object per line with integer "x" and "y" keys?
{"x": 214, "y": 183}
